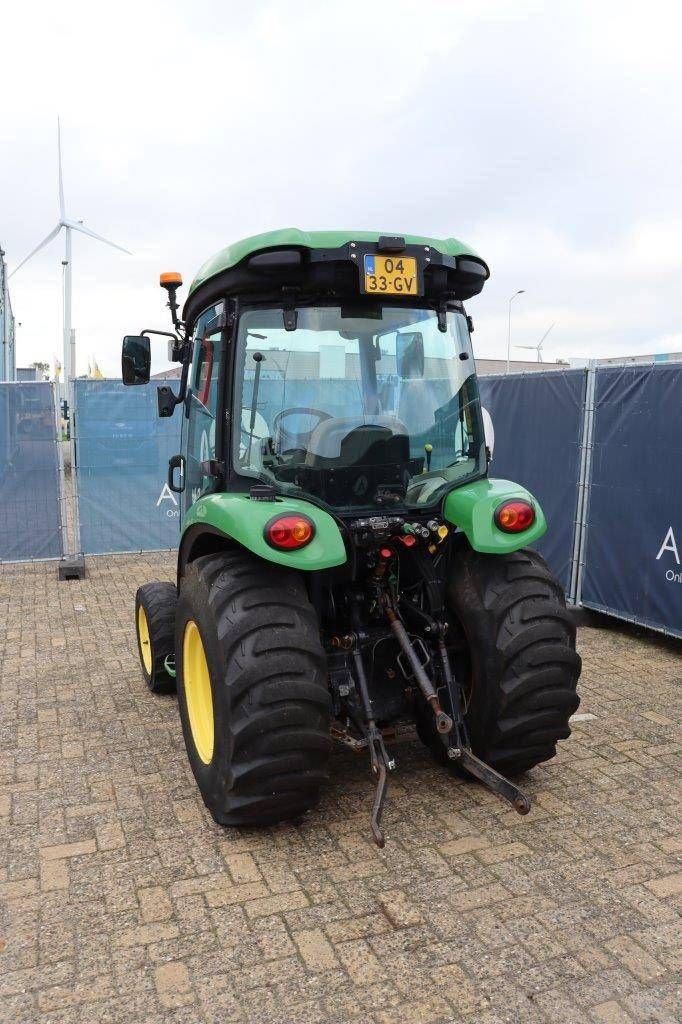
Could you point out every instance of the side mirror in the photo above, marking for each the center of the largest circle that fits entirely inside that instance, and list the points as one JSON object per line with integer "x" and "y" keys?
{"x": 409, "y": 355}
{"x": 136, "y": 359}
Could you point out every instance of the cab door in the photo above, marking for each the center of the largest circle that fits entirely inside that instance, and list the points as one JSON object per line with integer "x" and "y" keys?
{"x": 201, "y": 405}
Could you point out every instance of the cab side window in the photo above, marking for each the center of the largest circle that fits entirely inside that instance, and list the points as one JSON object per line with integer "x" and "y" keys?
{"x": 202, "y": 407}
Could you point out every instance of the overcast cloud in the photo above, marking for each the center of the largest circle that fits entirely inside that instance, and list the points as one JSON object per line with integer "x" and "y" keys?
{"x": 547, "y": 135}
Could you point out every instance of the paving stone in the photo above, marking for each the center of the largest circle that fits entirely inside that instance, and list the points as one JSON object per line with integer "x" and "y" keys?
{"x": 78, "y": 849}
{"x": 154, "y": 904}
{"x": 457, "y": 847}
{"x": 610, "y": 1013}
{"x": 122, "y": 901}
{"x": 399, "y": 908}
{"x": 54, "y": 874}
{"x": 315, "y": 949}
{"x": 634, "y": 958}
{"x": 671, "y": 885}
{"x": 173, "y": 985}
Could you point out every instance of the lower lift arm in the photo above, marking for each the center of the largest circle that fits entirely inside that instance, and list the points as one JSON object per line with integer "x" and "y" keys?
{"x": 451, "y": 728}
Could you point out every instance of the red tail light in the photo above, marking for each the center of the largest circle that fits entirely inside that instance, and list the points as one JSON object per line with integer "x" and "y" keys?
{"x": 289, "y": 532}
{"x": 514, "y": 516}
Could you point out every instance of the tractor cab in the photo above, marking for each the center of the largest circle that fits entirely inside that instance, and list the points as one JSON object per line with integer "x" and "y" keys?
{"x": 332, "y": 367}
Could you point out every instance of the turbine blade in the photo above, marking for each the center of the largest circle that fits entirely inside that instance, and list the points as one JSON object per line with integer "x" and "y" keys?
{"x": 62, "y": 212}
{"x": 93, "y": 234}
{"x": 534, "y": 347}
{"x": 52, "y": 234}
{"x": 545, "y": 335}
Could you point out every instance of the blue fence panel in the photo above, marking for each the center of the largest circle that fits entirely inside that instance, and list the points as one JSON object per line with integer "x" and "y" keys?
{"x": 122, "y": 452}
{"x": 30, "y": 522}
{"x": 633, "y": 544}
{"x": 537, "y": 421}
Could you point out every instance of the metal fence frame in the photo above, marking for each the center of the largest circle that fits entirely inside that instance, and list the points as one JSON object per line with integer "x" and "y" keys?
{"x": 584, "y": 446}
{"x": 61, "y": 500}
{"x": 582, "y": 523}
{"x": 580, "y": 527}
{"x": 80, "y": 489}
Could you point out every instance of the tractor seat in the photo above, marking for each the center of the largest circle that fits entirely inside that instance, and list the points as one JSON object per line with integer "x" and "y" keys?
{"x": 350, "y": 436}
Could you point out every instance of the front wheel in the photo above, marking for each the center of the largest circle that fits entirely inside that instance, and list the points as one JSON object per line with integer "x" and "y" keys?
{"x": 520, "y": 671}
{"x": 155, "y": 629}
{"x": 252, "y": 689}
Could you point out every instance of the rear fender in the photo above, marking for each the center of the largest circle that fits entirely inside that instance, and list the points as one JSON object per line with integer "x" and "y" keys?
{"x": 238, "y": 518}
{"x": 472, "y": 508}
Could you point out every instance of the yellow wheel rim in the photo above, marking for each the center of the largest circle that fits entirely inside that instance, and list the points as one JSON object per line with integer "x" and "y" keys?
{"x": 145, "y": 641}
{"x": 197, "y": 684}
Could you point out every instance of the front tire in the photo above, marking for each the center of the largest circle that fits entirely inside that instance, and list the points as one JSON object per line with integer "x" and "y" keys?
{"x": 252, "y": 689}
{"x": 155, "y": 628}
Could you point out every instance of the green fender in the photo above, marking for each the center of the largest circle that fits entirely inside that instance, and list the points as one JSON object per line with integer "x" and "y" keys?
{"x": 472, "y": 508}
{"x": 242, "y": 519}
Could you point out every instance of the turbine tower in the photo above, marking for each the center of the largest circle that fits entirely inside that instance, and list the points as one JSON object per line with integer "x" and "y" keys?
{"x": 69, "y": 226}
{"x": 538, "y": 348}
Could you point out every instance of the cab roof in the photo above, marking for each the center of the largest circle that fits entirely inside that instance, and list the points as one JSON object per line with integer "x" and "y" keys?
{"x": 296, "y": 239}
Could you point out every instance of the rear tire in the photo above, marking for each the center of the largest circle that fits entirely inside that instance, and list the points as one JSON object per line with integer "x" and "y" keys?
{"x": 522, "y": 666}
{"x": 155, "y": 627}
{"x": 267, "y": 674}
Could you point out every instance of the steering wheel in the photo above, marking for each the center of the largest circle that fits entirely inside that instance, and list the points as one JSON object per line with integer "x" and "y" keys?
{"x": 290, "y": 440}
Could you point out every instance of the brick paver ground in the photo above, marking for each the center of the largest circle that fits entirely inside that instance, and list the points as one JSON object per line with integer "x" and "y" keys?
{"x": 123, "y": 902}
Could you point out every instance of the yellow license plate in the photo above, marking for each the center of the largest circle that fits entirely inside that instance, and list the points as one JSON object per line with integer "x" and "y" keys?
{"x": 391, "y": 275}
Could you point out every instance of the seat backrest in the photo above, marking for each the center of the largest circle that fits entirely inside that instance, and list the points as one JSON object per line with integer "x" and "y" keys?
{"x": 327, "y": 437}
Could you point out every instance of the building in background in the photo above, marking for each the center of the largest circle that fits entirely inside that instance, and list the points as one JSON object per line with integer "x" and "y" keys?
{"x": 488, "y": 367}
{"x": 28, "y": 374}
{"x": 637, "y": 360}
{"x": 655, "y": 357}
{"x": 8, "y": 360}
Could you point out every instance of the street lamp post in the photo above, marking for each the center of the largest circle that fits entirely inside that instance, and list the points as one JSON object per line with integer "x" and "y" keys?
{"x": 519, "y": 292}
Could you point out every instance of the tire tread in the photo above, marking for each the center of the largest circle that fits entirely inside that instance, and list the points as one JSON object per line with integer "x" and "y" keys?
{"x": 159, "y": 600}
{"x": 275, "y": 683}
{"x": 525, "y": 667}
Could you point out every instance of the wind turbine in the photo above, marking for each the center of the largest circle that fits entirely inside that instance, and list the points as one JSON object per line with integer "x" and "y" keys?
{"x": 69, "y": 226}
{"x": 538, "y": 348}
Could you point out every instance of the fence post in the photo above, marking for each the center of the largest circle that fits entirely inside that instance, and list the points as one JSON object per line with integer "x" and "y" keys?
{"x": 63, "y": 517}
{"x": 583, "y": 487}
{"x": 77, "y": 551}
{"x": 73, "y": 566}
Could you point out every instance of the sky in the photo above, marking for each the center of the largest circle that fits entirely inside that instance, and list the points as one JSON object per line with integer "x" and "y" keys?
{"x": 546, "y": 135}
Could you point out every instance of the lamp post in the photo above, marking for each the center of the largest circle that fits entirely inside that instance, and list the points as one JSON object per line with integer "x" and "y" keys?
{"x": 519, "y": 292}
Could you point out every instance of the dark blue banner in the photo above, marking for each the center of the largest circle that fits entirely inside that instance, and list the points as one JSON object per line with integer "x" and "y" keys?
{"x": 537, "y": 423}
{"x": 122, "y": 452}
{"x": 633, "y": 544}
{"x": 30, "y": 525}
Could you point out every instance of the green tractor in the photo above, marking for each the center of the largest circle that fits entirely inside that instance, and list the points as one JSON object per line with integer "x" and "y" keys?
{"x": 347, "y": 571}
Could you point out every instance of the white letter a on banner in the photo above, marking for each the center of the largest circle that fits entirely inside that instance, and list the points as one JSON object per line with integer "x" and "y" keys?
{"x": 669, "y": 545}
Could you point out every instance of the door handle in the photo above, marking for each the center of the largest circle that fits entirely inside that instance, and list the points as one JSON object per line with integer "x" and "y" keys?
{"x": 176, "y": 462}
